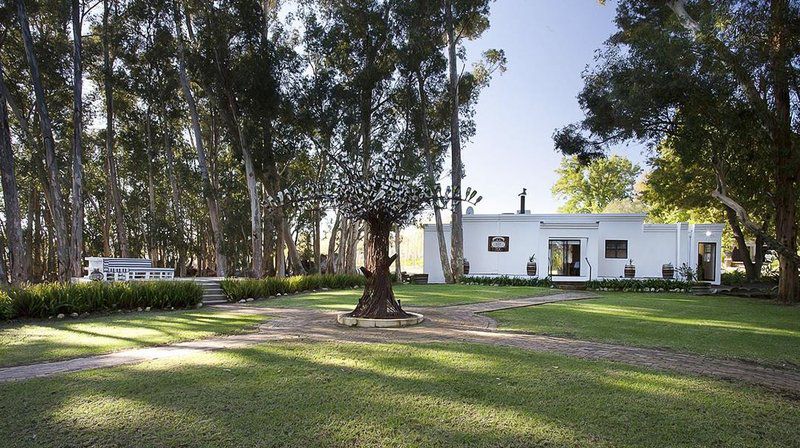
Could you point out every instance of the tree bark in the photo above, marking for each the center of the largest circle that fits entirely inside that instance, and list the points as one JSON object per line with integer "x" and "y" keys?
{"x": 456, "y": 172}
{"x": 176, "y": 198}
{"x": 437, "y": 211}
{"x": 78, "y": 212}
{"x": 330, "y": 262}
{"x": 208, "y": 191}
{"x": 741, "y": 244}
{"x": 398, "y": 272}
{"x": 13, "y": 215}
{"x": 377, "y": 300}
{"x": 111, "y": 161}
{"x": 294, "y": 256}
{"x": 55, "y": 203}
{"x": 151, "y": 191}
{"x": 317, "y": 244}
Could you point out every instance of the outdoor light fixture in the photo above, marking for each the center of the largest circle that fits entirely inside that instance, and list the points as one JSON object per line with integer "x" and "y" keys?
{"x": 708, "y": 233}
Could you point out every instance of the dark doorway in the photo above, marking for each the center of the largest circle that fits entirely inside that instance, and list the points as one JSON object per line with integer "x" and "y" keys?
{"x": 707, "y": 261}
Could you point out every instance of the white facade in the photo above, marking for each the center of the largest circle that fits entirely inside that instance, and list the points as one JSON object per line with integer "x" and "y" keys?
{"x": 585, "y": 237}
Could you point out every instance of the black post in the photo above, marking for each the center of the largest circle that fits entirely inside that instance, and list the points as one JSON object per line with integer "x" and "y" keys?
{"x": 522, "y": 201}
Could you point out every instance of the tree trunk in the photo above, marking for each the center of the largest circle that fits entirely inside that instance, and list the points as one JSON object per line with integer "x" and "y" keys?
{"x": 786, "y": 157}
{"x": 317, "y": 244}
{"x": 437, "y": 211}
{"x": 13, "y": 215}
{"x": 741, "y": 243}
{"x": 176, "y": 198}
{"x": 456, "y": 227}
{"x": 77, "y": 144}
{"x": 398, "y": 272}
{"x": 55, "y": 204}
{"x": 151, "y": 192}
{"x": 294, "y": 256}
{"x": 208, "y": 191}
{"x": 111, "y": 162}
{"x": 377, "y": 301}
{"x": 330, "y": 262}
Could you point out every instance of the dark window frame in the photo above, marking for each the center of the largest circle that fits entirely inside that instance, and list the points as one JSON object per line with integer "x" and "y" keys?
{"x": 617, "y": 249}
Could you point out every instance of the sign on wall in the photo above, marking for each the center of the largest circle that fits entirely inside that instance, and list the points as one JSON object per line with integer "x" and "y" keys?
{"x": 498, "y": 244}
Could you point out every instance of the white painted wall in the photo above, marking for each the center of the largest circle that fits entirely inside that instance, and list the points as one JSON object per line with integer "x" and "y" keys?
{"x": 649, "y": 245}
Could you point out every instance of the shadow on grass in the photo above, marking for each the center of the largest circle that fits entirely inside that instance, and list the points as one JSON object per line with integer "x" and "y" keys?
{"x": 315, "y": 394}
{"x": 49, "y": 341}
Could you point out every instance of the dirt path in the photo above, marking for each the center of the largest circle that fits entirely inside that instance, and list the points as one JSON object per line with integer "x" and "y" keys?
{"x": 461, "y": 323}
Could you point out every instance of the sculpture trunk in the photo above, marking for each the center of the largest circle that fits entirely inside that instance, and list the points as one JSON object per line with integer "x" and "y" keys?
{"x": 377, "y": 301}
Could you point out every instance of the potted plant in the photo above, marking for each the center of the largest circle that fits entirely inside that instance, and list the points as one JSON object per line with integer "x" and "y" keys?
{"x": 466, "y": 267}
{"x": 531, "y": 267}
{"x": 667, "y": 271}
{"x": 630, "y": 270}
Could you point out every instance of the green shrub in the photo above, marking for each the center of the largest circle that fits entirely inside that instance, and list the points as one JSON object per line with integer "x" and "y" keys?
{"x": 506, "y": 281}
{"x": 236, "y": 289}
{"x": 639, "y": 285}
{"x": 49, "y": 299}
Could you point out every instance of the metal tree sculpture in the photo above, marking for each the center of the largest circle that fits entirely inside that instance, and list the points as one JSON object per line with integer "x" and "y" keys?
{"x": 383, "y": 194}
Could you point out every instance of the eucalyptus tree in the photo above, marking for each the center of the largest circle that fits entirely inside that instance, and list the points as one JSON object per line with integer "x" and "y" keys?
{"x": 11, "y": 208}
{"x": 53, "y": 179}
{"x": 704, "y": 74}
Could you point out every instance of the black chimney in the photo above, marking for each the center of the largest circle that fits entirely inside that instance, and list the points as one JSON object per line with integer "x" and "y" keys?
{"x": 522, "y": 201}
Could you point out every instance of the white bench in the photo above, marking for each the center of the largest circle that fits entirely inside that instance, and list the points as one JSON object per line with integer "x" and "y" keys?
{"x": 127, "y": 269}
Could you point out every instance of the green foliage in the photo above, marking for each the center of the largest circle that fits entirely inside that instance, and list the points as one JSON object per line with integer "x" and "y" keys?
{"x": 49, "y": 299}
{"x": 736, "y": 278}
{"x": 639, "y": 285}
{"x": 504, "y": 280}
{"x": 590, "y": 188}
{"x": 238, "y": 289}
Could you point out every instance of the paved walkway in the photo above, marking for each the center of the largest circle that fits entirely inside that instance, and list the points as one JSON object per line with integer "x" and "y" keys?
{"x": 461, "y": 323}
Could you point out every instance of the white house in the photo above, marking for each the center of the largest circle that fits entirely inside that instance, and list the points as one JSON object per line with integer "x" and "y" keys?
{"x": 579, "y": 247}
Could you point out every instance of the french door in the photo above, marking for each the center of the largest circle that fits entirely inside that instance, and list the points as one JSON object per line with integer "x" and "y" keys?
{"x": 565, "y": 258}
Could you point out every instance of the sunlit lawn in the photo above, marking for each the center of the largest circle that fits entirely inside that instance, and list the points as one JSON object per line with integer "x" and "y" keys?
{"x": 720, "y": 326}
{"x": 38, "y": 341}
{"x": 320, "y": 395}
{"x": 410, "y": 295}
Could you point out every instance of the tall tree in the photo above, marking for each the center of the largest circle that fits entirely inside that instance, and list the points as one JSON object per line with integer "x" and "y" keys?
{"x": 208, "y": 190}
{"x": 591, "y": 188}
{"x": 699, "y": 83}
{"x": 53, "y": 181}
{"x": 76, "y": 11}
{"x": 111, "y": 160}
{"x": 10, "y": 197}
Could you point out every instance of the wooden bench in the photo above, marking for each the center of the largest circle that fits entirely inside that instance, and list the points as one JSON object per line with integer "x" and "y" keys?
{"x": 127, "y": 269}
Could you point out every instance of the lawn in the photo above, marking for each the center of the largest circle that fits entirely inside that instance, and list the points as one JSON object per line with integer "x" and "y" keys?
{"x": 39, "y": 341}
{"x": 410, "y": 295}
{"x": 720, "y": 326}
{"x": 320, "y": 395}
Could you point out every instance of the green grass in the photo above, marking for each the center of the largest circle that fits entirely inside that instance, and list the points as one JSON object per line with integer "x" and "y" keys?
{"x": 409, "y": 295}
{"x": 40, "y": 341}
{"x": 720, "y": 326}
{"x": 327, "y": 395}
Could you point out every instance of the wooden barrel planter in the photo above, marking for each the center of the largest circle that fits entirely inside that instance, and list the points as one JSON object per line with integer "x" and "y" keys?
{"x": 630, "y": 271}
{"x": 466, "y": 267}
{"x": 668, "y": 271}
{"x": 531, "y": 269}
{"x": 417, "y": 279}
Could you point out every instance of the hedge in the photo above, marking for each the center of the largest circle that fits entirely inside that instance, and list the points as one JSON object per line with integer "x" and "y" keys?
{"x": 506, "y": 281}
{"x": 236, "y": 289}
{"x": 639, "y": 285}
{"x": 50, "y": 299}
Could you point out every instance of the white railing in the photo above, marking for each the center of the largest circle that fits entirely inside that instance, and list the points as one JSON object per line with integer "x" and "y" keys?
{"x": 126, "y": 269}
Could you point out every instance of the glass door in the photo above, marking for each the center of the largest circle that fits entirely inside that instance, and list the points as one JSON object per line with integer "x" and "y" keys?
{"x": 565, "y": 258}
{"x": 706, "y": 261}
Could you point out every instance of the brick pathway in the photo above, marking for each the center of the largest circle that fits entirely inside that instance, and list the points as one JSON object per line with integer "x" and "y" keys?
{"x": 462, "y": 323}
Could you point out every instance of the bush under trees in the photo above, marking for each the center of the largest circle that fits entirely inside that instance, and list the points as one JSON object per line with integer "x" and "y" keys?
{"x": 50, "y": 299}
{"x": 245, "y": 288}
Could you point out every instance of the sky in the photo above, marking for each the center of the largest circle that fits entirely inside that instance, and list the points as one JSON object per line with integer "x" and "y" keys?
{"x": 548, "y": 43}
